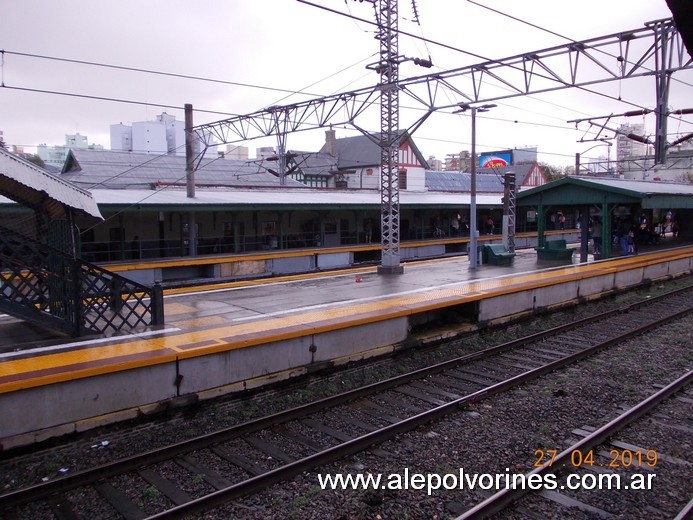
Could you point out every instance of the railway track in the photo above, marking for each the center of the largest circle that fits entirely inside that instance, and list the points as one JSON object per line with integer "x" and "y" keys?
{"x": 596, "y": 460}
{"x": 205, "y": 472}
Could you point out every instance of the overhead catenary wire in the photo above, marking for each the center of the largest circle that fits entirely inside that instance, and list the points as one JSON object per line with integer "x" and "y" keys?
{"x": 572, "y": 40}
{"x": 235, "y": 83}
{"x": 549, "y": 31}
{"x": 155, "y": 72}
{"x": 194, "y": 77}
{"x": 457, "y": 49}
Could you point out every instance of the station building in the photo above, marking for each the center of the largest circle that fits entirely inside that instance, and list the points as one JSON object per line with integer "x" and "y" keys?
{"x": 329, "y": 198}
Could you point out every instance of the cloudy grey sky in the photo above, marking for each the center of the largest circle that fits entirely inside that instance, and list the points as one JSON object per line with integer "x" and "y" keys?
{"x": 261, "y": 49}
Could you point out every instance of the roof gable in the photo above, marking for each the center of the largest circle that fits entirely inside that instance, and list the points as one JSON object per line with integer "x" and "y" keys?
{"x": 363, "y": 151}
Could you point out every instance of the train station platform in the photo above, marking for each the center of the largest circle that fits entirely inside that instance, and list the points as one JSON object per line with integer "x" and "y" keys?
{"x": 234, "y": 336}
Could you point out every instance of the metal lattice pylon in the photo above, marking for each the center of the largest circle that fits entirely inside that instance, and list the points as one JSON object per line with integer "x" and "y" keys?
{"x": 388, "y": 67}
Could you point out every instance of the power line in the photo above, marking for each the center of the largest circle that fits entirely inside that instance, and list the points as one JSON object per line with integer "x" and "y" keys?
{"x": 399, "y": 31}
{"x": 456, "y": 49}
{"x": 544, "y": 29}
{"x": 115, "y": 100}
{"x": 156, "y": 72}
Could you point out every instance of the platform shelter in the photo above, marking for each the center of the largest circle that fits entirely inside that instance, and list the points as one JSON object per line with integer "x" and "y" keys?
{"x": 654, "y": 208}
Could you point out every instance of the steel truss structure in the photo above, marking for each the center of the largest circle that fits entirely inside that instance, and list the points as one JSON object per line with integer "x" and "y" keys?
{"x": 388, "y": 67}
{"x": 655, "y": 49}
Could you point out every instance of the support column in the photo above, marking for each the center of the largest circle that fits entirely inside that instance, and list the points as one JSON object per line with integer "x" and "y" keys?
{"x": 663, "y": 35}
{"x": 541, "y": 216}
{"x": 584, "y": 232}
{"x": 190, "y": 177}
{"x": 388, "y": 67}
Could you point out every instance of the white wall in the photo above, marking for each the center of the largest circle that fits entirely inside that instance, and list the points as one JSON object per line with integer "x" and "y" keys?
{"x": 149, "y": 137}
{"x": 121, "y": 138}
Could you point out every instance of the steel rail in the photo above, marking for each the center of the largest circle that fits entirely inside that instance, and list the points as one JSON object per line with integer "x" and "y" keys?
{"x": 358, "y": 444}
{"x": 89, "y": 476}
{"x": 504, "y": 498}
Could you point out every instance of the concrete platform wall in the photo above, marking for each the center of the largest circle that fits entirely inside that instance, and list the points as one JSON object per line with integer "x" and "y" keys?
{"x": 45, "y": 411}
{"x": 62, "y": 407}
{"x": 335, "y": 260}
{"x": 293, "y": 264}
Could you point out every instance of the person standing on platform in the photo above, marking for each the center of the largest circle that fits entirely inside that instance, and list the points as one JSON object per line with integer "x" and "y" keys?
{"x": 597, "y": 236}
{"x": 489, "y": 225}
{"x": 368, "y": 228}
{"x": 455, "y": 225}
{"x": 464, "y": 226}
{"x": 632, "y": 245}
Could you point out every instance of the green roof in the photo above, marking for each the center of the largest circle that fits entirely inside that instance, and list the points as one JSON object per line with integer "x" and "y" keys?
{"x": 576, "y": 191}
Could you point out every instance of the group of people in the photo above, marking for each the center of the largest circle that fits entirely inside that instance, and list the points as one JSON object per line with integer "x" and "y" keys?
{"x": 626, "y": 234}
{"x": 629, "y": 234}
{"x": 557, "y": 221}
{"x": 458, "y": 226}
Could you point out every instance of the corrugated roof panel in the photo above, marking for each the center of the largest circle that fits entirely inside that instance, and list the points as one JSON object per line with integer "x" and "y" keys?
{"x": 460, "y": 181}
{"x": 643, "y": 187}
{"x": 120, "y": 170}
{"x": 27, "y": 183}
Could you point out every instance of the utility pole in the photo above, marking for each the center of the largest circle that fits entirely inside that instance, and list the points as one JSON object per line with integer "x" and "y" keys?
{"x": 473, "y": 226}
{"x": 190, "y": 177}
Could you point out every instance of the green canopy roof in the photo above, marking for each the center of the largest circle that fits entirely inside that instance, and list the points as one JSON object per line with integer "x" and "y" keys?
{"x": 580, "y": 191}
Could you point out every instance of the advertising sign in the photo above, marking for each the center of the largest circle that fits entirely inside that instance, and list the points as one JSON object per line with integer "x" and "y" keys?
{"x": 496, "y": 159}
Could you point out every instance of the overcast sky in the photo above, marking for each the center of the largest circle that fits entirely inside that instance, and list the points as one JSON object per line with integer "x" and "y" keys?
{"x": 274, "y": 46}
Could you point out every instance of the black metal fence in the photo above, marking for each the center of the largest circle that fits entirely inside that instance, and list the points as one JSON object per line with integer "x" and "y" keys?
{"x": 50, "y": 288}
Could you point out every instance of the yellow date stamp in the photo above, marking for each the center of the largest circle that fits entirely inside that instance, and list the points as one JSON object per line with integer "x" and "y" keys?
{"x": 618, "y": 458}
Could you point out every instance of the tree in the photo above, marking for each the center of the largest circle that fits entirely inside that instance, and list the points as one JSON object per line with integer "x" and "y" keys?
{"x": 569, "y": 170}
{"x": 552, "y": 173}
{"x": 36, "y": 160}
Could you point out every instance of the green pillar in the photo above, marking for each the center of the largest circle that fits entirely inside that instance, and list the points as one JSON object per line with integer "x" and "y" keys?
{"x": 121, "y": 245}
{"x": 236, "y": 235}
{"x": 607, "y": 244}
{"x": 358, "y": 226}
{"x": 541, "y": 218}
{"x": 322, "y": 230}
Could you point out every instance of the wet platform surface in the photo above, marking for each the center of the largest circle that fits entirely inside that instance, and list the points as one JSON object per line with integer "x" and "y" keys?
{"x": 305, "y": 297}
{"x": 223, "y": 318}
{"x": 222, "y": 304}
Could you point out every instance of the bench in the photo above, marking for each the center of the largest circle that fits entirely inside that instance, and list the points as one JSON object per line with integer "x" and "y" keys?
{"x": 496, "y": 254}
{"x": 555, "y": 250}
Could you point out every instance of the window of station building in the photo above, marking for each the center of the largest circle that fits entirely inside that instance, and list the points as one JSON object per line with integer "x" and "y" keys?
{"x": 403, "y": 179}
{"x": 316, "y": 182}
{"x": 298, "y": 176}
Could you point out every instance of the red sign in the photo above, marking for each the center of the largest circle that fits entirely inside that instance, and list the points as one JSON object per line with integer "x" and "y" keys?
{"x": 494, "y": 162}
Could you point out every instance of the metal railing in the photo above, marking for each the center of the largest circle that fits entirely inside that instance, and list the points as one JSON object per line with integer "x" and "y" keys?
{"x": 50, "y": 288}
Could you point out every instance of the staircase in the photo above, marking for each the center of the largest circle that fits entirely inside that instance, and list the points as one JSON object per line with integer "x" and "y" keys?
{"x": 50, "y": 288}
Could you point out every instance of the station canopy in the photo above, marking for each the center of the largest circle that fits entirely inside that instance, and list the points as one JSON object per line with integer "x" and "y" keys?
{"x": 34, "y": 187}
{"x": 580, "y": 191}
